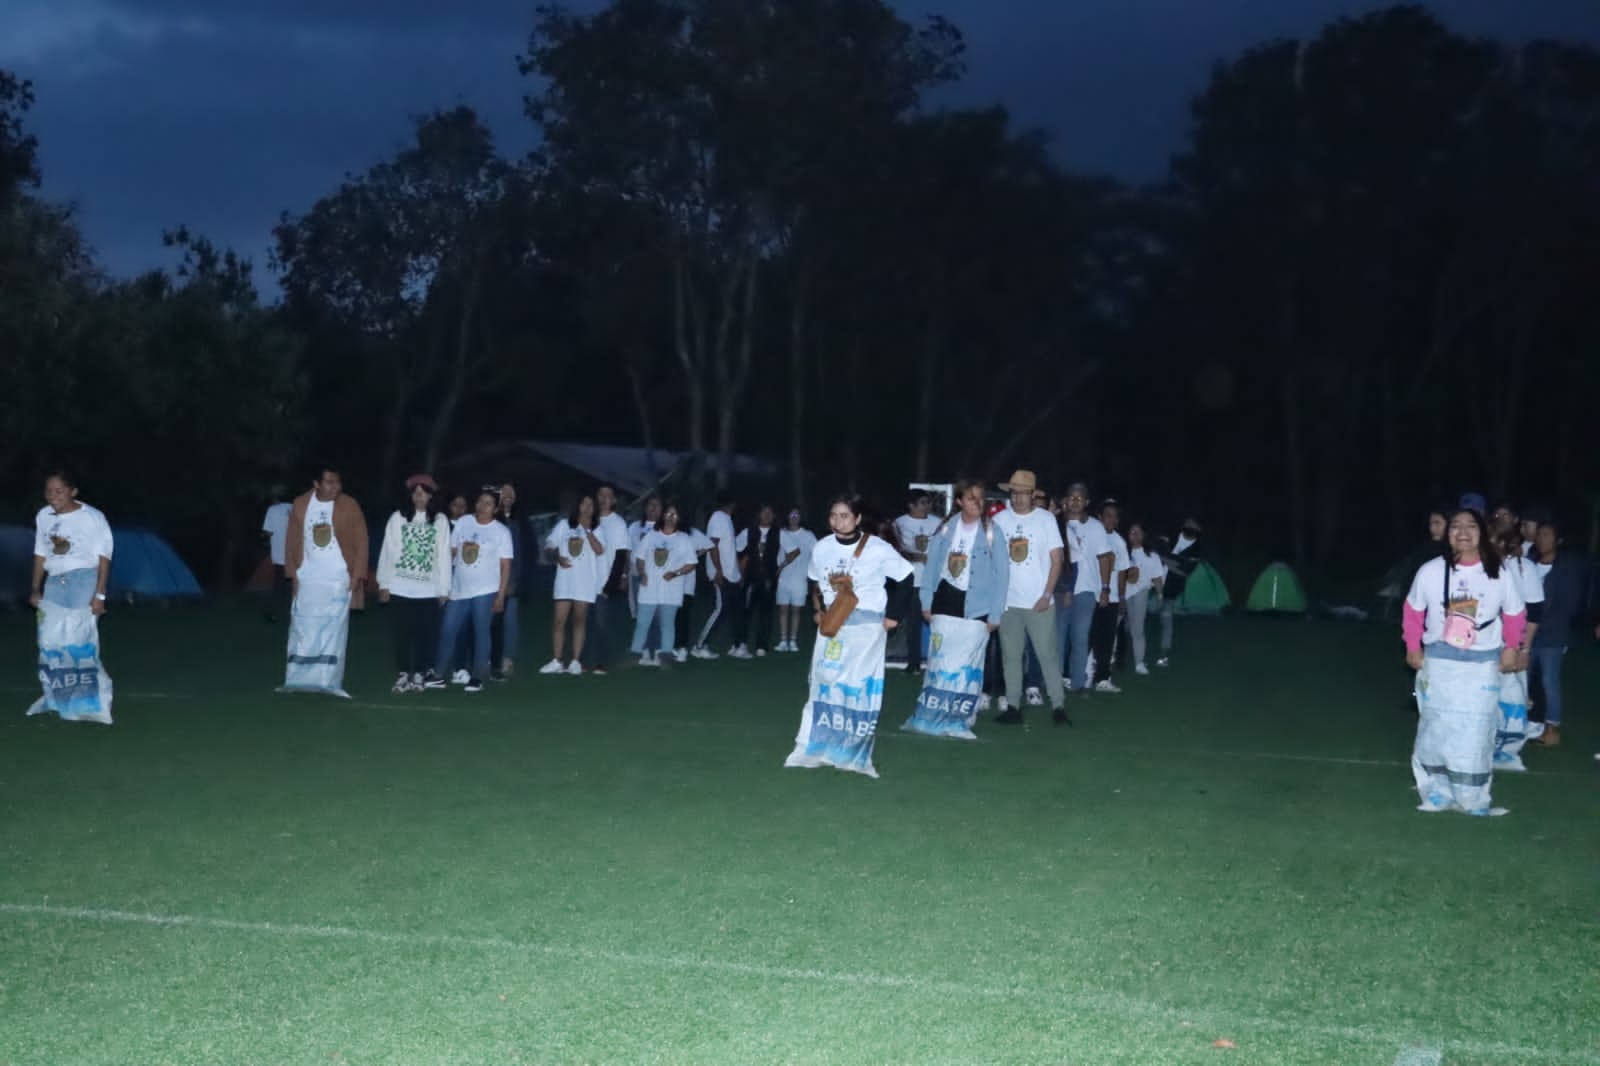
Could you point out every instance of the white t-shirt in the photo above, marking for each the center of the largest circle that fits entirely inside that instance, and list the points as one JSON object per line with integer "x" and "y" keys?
{"x": 720, "y": 530}
{"x": 478, "y": 548}
{"x": 637, "y": 531}
{"x": 76, "y": 540}
{"x": 1119, "y": 563}
{"x": 878, "y": 564}
{"x": 613, "y": 530}
{"x": 914, "y": 534}
{"x": 1471, "y": 592}
{"x": 322, "y": 562}
{"x": 962, "y": 537}
{"x": 702, "y": 546}
{"x": 580, "y": 580}
{"x": 1087, "y": 540}
{"x": 276, "y": 525}
{"x": 803, "y": 541}
{"x": 1151, "y": 570}
{"x": 1029, "y": 540}
{"x": 1529, "y": 581}
{"x": 661, "y": 552}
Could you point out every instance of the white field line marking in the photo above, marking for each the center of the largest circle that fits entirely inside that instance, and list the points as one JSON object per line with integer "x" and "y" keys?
{"x": 1099, "y": 1002}
{"x": 1419, "y": 1056}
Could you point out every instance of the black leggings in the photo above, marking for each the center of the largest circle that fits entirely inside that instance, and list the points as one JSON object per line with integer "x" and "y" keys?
{"x": 1102, "y": 638}
{"x": 416, "y": 633}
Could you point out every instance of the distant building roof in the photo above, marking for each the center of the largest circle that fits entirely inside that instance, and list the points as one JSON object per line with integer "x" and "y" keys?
{"x": 634, "y": 471}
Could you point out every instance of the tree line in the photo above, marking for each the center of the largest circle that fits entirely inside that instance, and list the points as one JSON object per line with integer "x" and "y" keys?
{"x": 1362, "y": 288}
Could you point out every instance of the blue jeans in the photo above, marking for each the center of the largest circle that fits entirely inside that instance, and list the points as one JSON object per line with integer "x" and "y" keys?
{"x": 479, "y": 612}
{"x": 506, "y": 628}
{"x": 649, "y": 612}
{"x": 1546, "y": 662}
{"x": 1083, "y": 605}
{"x": 74, "y": 588}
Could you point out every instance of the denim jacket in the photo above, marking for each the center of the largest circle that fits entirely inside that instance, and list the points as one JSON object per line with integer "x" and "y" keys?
{"x": 991, "y": 571}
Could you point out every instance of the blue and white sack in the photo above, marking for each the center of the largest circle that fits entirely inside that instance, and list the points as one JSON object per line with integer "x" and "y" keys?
{"x": 319, "y": 633}
{"x": 953, "y": 681}
{"x": 1513, "y": 733}
{"x": 840, "y": 721}
{"x": 75, "y": 683}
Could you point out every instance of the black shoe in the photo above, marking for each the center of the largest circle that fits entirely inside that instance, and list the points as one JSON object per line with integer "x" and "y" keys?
{"x": 1010, "y": 716}
{"x": 433, "y": 681}
{"x": 1060, "y": 717}
{"x": 474, "y": 686}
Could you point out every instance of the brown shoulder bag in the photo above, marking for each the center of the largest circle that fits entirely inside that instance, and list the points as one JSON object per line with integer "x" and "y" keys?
{"x": 844, "y": 598}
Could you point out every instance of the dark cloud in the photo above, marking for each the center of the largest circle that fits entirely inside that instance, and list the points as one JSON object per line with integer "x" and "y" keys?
{"x": 221, "y": 115}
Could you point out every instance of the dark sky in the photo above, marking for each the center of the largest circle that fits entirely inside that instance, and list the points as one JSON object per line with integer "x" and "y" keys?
{"x": 222, "y": 113}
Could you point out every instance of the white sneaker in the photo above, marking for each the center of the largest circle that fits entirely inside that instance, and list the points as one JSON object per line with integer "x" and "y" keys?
{"x": 553, "y": 667}
{"x": 740, "y": 652}
{"x": 460, "y": 677}
{"x": 402, "y": 684}
{"x": 1163, "y": 661}
{"x": 574, "y": 669}
{"x": 1141, "y": 669}
{"x": 761, "y": 653}
{"x": 705, "y": 653}
{"x": 984, "y": 702}
{"x": 1035, "y": 698}
{"x": 682, "y": 655}
{"x": 648, "y": 660}
{"x": 1107, "y": 686}
{"x": 1066, "y": 684}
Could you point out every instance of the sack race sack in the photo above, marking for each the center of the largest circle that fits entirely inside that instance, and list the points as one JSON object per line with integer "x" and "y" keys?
{"x": 953, "y": 682}
{"x": 840, "y": 721}
{"x": 1515, "y": 730}
{"x": 844, "y": 597}
{"x": 75, "y": 683}
{"x": 319, "y": 632}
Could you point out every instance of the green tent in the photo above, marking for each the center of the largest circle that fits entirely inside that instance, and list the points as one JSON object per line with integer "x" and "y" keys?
{"x": 1205, "y": 593}
{"x": 1277, "y": 589}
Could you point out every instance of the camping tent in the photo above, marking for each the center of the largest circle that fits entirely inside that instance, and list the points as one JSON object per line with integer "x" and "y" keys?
{"x": 1204, "y": 593}
{"x": 1277, "y": 589}
{"x": 143, "y": 566}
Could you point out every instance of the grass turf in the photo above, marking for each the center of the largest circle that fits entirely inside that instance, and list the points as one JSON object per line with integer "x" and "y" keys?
{"x": 618, "y": 870}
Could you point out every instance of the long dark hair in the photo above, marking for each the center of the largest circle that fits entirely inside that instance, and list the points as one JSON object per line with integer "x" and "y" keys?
{"x": 959, "y": 490}
{"x": 408, "y": 509}
{"x": 577, "y": 509}
{"x": 1487, "y": 551}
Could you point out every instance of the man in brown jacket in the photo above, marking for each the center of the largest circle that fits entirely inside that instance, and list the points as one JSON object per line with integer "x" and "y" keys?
{"x": 325, "y": 560}
{"x": 310, "y": 529}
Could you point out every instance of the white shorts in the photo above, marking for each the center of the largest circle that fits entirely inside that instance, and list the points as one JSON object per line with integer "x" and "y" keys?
{"x": 791, "y": 595}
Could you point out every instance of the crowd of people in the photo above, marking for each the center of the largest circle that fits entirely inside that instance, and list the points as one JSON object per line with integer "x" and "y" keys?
{"x": 1491, "y": 612}
{"x": 1008, "y": 601}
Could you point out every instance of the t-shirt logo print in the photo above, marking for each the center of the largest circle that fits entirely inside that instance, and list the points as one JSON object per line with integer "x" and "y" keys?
{"x": 661, "y": 557}
{"x": 1019, "y": 549}
{"x": 322, "y": 534}
{"x": 60, "y": 545}
{"x": 417, "y": 545}
{"x": 922, "y": 542}
{"x": 840, "y": 582}
{"x": 958, "y": 563}
{"x": 469, "y": 553}
{"x": 575, "y": 545}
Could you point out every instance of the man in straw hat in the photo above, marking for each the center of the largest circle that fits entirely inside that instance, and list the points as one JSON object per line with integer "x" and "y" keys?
{"x": 1034, "y": 546}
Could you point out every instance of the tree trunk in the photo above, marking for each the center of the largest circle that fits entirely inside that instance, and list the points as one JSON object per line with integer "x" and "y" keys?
{"x": 445, "y": 416}
{"x": 733, "y": 368}
{"x": 1294, "y": 469}
{"x": 642, "y": 406}
{"x": 797, "y": 392}
{"x": 688, "y": 343}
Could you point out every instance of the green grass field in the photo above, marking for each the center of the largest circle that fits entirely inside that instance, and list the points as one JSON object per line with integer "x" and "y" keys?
{"x": 618, "y": 870}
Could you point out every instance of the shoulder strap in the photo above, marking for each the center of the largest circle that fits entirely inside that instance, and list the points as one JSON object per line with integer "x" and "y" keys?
{"x": 865, "y": 536}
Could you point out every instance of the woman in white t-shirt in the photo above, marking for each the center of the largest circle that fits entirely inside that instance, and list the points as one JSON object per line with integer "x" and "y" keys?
{"x": 795, "y": 543}
{"x": 1145, "y": 576}
{"x": 1463, "y": 621}
{"x": 72, "y": 547}
{"x": 414, "y": 579}
{"x": 663, "y": 560}
{"x": 480, "y": 580}
{"x": 579, "y": 552}
{"x": 840, "y": 720}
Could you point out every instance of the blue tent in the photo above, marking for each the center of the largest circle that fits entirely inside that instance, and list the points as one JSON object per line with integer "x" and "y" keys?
{"x": 144, "y": 567}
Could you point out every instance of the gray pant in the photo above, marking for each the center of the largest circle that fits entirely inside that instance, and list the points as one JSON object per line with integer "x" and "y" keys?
{"x": 1169, "y": 608}
{"x": 1138, "y": 610}
{"x": 1018, "y": 626}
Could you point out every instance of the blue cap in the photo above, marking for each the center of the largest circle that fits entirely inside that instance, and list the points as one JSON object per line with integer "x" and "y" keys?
{"x": 1474, "y": 501}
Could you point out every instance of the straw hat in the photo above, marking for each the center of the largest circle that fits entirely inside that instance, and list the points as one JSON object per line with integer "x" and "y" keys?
{"x": 1022, "y": 481}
